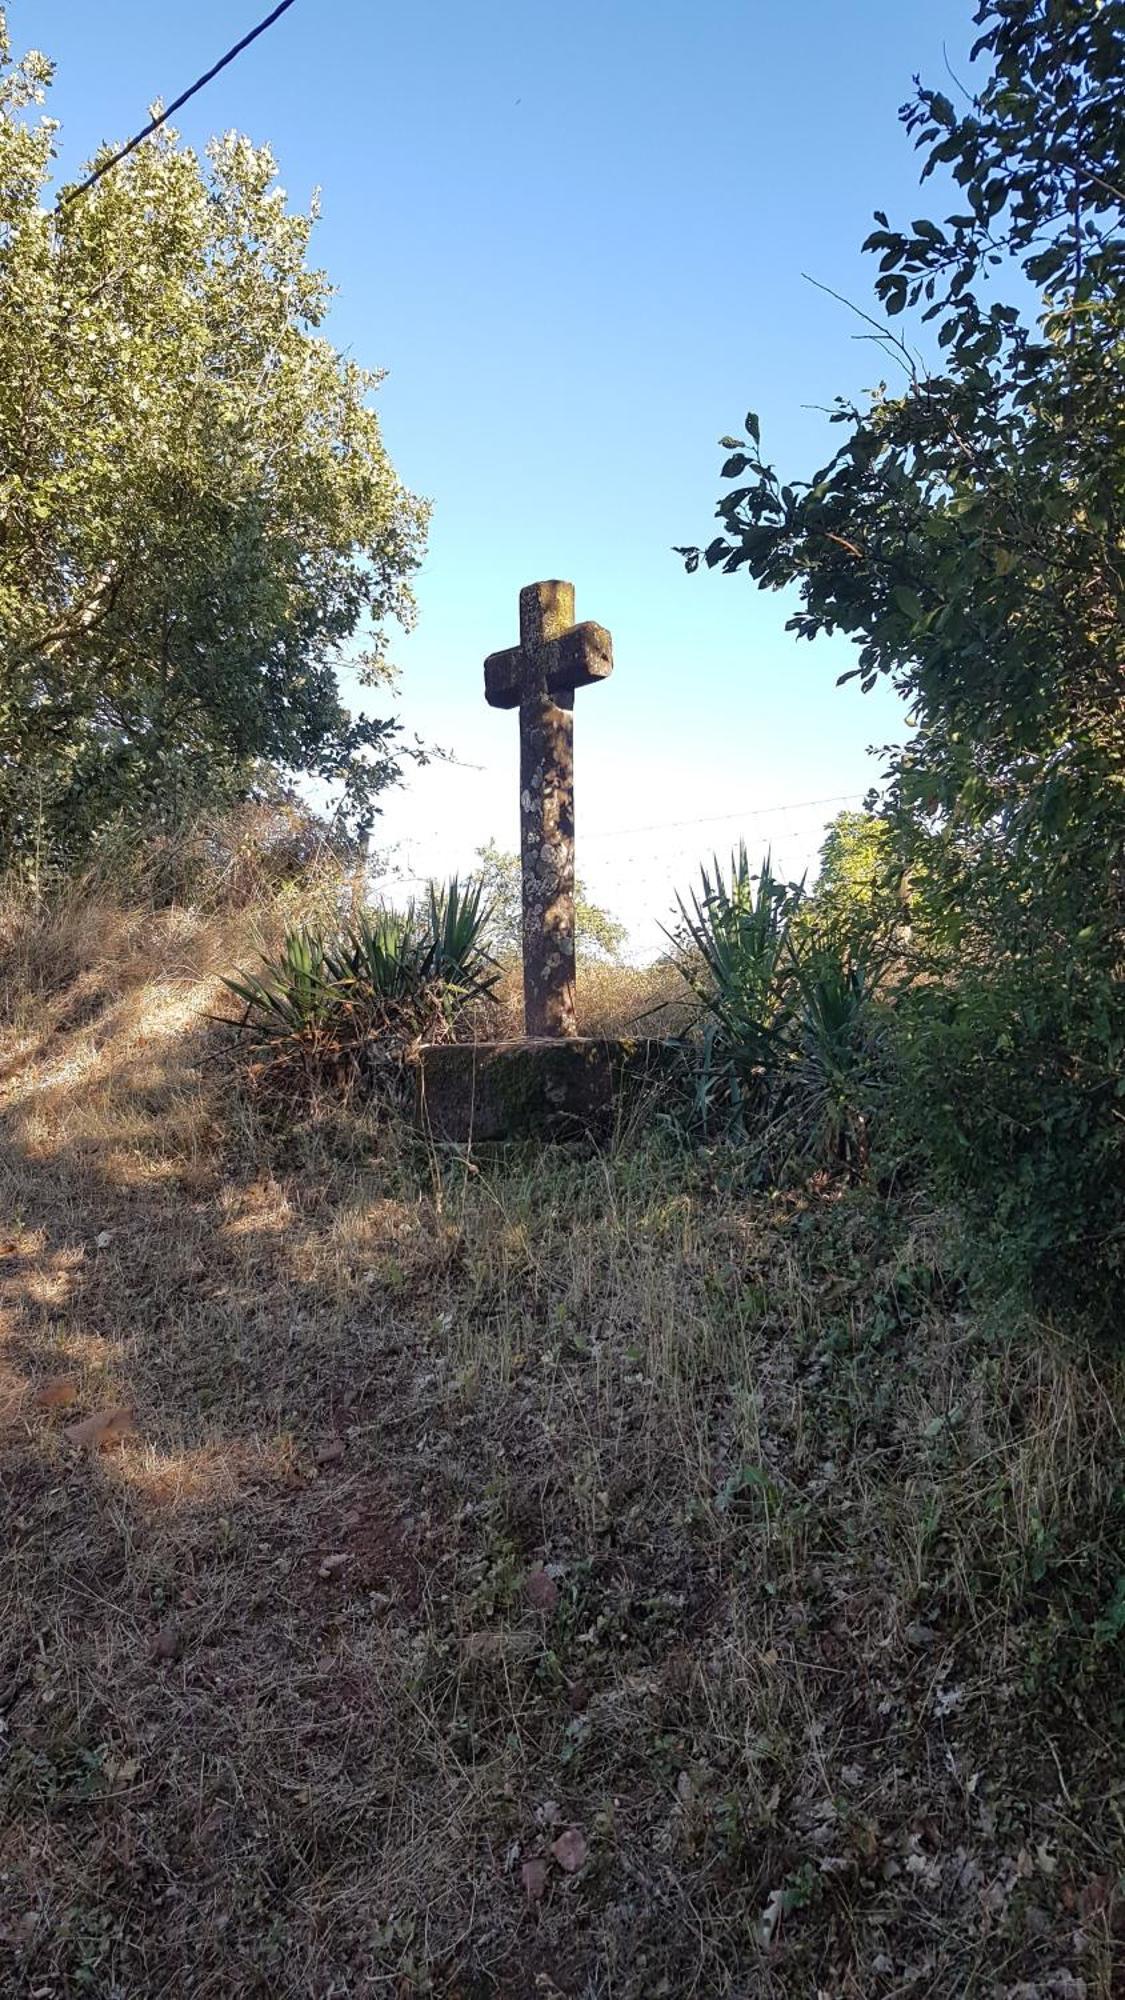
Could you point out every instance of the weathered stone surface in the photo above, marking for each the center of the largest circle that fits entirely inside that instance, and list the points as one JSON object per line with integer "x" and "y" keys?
{"x": 579, "y": 658}
{"x": 532, "y": 1089}
{"x": 554, "y": 657}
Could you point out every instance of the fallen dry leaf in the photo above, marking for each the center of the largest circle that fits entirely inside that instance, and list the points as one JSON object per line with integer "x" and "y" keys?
{"x": 122, "y": 1773}
{"x": 168, "y": 1643}
{"x": 570, "y": 1849}
{"x": 508, "y": 1648}
{"x": 534, "y": 1879}
{"x": 332, "y": 1565}
{"x": 919, "y": 1636}
{"x": 771, "y": 1916}
{"x": 327, "y": 1454}
{"x": 542, "y": 1590}
{"x": 107, "y": 1428}
{"x": 1102, "y": 1898}
{"x": 103, "y": 1239}
{"x": 56, "y": 1393}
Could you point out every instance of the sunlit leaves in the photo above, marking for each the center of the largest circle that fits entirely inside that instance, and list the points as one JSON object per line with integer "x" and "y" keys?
{"x": 197, "y": 507}
{"x": 967, "y": 533}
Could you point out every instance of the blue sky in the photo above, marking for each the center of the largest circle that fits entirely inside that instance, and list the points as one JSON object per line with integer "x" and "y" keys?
{"x": 575, "y": 236}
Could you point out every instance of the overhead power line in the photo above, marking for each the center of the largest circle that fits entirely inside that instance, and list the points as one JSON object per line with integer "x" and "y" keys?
{"x": 72, "y": 194}
{"x": 712, "y": 819}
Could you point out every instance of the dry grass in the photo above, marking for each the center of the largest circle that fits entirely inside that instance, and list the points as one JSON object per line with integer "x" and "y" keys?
{"x": 612, "y": 1000}
{"x": 818, "y": 1671}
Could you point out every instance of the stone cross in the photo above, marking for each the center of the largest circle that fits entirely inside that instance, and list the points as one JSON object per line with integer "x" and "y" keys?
{"x": 539, "y": 677}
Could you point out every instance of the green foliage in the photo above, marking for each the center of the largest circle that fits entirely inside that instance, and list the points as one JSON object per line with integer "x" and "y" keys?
{"x": 733, "y": 936}
{"x": 786, "y": 1054}
{"x": 597, "y": 934}
{"x": 968, "y": 536}
{"x": 1010, "y": 1089}
{"x": 859, "y": 892}
{"x": 294, "y": 996}
{"x": 332, "y": 1004}
{"x": 391, "y": 955}
{"x": 836, "y": 1042}
{"x": 198, "y": 511}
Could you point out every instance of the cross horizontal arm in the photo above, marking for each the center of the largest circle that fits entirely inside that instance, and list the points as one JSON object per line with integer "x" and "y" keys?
{"x": 503, "y": 678}
{"x": 579, "y": 658}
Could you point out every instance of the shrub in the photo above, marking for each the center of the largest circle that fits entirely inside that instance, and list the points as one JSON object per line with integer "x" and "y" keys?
{"x": 784, "y": 1053}
{"x": 733, "y": 940}
{"x": 357, "y": 999}
{"x": 836, "y": 1042}
{"x": 1009, "y": 1089}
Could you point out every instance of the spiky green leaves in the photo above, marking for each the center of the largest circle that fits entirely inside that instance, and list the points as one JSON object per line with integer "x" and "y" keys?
{"x": 382, "y": 978}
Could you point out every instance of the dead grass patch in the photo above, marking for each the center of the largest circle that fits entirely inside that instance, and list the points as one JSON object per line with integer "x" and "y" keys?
{"x": 612, "y": 1000}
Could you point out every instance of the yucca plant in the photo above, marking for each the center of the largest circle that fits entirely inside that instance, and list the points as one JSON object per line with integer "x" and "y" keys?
{"x": 732, "y": 945}
{"x": 296, "y": 995}
{"x": 362, "y": 997}
{"x": 733, "y": 948}
{"x": 834, "y": 1046}
{"x": 785, "y": 1053}
{"x": 379, "y": 957}
{"x": 458, "y": 919}
{"x": 428, "y": 955}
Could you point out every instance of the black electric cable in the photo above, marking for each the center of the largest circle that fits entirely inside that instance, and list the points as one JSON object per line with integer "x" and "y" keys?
{"x": 72, "y": 194}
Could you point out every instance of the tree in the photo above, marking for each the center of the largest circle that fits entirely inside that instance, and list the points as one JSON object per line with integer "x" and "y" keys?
{"x": 597, "y": 934}
{"x": 968, "y": 532}
{"x": 198, "y": 513}
{"x": 969, "y": 536}
{"x": 856, "y": 893}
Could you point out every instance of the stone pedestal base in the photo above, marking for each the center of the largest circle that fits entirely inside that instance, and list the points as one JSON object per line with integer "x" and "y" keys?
{"x": 486, "y": 1091}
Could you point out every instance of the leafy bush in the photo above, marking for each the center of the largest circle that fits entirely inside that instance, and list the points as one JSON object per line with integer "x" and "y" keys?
{"x": 199, "y": 511}
{"x": 349, "y": 1002}
{"x": 1010, "y": 1088}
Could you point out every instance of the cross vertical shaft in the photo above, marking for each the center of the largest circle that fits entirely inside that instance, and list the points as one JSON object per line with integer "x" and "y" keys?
{"x": 547, "y": 817}
{"x": 539, "y": 676}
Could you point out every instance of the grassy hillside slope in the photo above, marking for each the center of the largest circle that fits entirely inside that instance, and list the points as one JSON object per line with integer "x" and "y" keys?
{"x": 556, "y": 1575}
